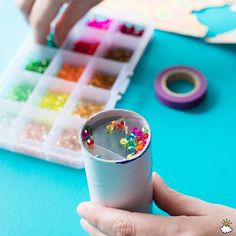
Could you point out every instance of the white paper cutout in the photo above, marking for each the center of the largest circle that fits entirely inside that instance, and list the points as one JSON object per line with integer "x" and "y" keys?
{"x": 227, "y": 37}
{"x": 168, "y": 15}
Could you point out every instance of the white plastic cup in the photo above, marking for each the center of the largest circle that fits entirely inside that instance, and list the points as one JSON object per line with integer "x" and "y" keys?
{"x": 123, "y": 184}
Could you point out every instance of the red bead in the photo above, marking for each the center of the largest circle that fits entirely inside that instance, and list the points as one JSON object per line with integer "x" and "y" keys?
{"x": 90, "y": 143}
{"x": 121, "y": 125}
{"x": 86, "y": 47}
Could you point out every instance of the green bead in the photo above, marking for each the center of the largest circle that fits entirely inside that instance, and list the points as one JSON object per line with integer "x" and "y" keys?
{"x": 145, "y": 130}
{"x": 51, "y": 41}
{"x": 38, "y": 66}
{"x": 19, "y": 93}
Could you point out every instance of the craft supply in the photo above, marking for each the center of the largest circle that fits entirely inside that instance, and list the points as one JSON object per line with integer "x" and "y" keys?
{"x": 119, "y": 54}
{"x": 90, "y": 143}
{"x": 131, "y": 29}
{"x": 53, "y": 100}
{"x": 135, "y": 141}
{"x": 85, "y": 109}
{"x": 116, "y": 125}
{"x": 181, "y": 100}
{"x": 87, "y": 47}
{"x": 98, "y": 23}
{"x": 118, "y": 181}
{"x": 102, "y": 80}
{"x": 38, "y": 66}
{"x": 87, "y": 132}
{"x": 71, "y": 84}
{"x": 35, "y": 131}
{"x": 70, "y": 73}
{"x": 69, "y": 139}
{"x": 19, "y": 93}
{"x": 50, "y": 41}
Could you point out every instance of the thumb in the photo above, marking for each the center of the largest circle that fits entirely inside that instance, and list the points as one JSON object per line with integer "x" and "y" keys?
{"x": 175, "y": 203}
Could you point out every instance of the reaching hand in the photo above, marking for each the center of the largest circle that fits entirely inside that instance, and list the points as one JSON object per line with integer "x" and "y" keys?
{"x": 40, "y": 13}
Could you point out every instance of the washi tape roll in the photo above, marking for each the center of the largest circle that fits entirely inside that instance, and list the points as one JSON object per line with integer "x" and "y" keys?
{"x": 181, "y": 100}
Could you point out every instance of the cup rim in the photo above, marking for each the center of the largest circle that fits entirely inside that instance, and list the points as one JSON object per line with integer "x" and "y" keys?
{"x": 115, "y": 161}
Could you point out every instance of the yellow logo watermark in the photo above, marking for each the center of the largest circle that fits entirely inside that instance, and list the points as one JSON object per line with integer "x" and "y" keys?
{"x": 226, "y": 226}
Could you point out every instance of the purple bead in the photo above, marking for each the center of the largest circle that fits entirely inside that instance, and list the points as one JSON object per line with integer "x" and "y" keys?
{"x": 135, "y": 130}
{"x": 87, "y": 133}
{"x": 140, "y": 133}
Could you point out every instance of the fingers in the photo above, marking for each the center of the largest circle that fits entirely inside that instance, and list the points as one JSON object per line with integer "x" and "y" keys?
{"x": 90, "y": 229}
{"x": 115, "y": 222}
{"x": 25, "y": 6}
{"x": 41, "y": 15}
{"x": 74, "y": 11}
{"x": 175, "y": 203}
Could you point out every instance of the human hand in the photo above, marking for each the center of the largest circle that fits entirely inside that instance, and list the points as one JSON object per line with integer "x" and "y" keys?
{"x": 40, "y": 13}
{"x": 189, "y": 217}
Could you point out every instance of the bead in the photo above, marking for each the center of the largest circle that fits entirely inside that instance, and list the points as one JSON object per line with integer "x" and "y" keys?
{"x": 116, "y": 125}
{"x": 102, "y": 80}
{"x": 130, "y": 156}
{"x": 135, "y": 141}
{"x": 50, "y": 41}
{"x": 145, "y": 130}
{"x": 131, "y": 149}
{"x": 121, "y": 125}
{"x": 19, "y": 93}
{"x": 90, "y": 143}
{"x": 140, "y": 133}
{"x": 109, "y": 128}
{"x": 69, "y": 139}
{"x": 131, "y": 30}
{"x": 85, "y": 108}
{"x": 139, "y": 148}
{"x": 119, "y": 54}
{"x": 36, "y": 131}
{"x": 134, "y": 130}
{"x": 70, "y": 73}
{"x": 87, "y": 47}
{"x": 38, "y": 66}
{"x": 53, "y": 100}
{"x": 130, "y": 137}
{"x": 87, "y": 133}
{"x": 123, "y": 141}
{"x": 103, "y": 24}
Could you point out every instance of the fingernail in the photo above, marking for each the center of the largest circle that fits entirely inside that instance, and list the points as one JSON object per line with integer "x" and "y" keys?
{"x": 84, "y": 224}
{"x": 154, "y": 175}
{"x": 157, "y": 176}
{"x": 81, "y": 208}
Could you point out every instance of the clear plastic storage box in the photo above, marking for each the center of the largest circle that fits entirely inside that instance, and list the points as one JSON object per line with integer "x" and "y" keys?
{"x": 30, "y": 123}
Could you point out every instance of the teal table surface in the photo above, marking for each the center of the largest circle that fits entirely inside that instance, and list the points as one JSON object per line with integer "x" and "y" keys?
{"x": 194, "y": 151}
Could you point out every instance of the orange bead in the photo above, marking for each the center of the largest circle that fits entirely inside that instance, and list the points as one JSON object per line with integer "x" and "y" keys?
{"x": 70, "y": 73}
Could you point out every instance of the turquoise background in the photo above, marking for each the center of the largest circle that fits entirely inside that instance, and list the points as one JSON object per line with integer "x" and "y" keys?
{"x": 194, "y": 151}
